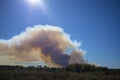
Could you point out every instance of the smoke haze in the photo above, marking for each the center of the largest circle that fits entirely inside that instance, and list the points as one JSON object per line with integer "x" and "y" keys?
{"x": 46, "y": 43}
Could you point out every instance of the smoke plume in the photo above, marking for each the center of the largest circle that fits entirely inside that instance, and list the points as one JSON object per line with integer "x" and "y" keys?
{"x": 46, "y": 43}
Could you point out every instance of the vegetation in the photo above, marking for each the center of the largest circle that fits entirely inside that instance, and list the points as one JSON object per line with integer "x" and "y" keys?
{"x": 70, "y": 72}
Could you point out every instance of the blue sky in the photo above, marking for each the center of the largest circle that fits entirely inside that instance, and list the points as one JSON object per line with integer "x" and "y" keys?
{"x": 96, "y": 23}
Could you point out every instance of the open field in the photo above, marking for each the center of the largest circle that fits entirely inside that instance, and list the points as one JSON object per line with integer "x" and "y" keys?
{"x": 67, "y": 73}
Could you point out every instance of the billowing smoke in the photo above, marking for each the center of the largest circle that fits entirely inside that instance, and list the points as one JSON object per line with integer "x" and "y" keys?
{"x": 46, "y": 43}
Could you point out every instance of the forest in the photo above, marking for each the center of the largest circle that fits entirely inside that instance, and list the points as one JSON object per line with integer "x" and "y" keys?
{"x": 70, "y": 72}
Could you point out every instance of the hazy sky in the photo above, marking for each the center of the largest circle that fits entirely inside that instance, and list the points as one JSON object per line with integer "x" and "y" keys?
{"x": 95, "y": 23}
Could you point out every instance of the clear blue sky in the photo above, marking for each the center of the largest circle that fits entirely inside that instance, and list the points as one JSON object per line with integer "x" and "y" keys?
{"x": 96, "y": 23}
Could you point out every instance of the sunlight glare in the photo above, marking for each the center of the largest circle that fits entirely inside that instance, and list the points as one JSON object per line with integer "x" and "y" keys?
{"x": 35, "y": 2}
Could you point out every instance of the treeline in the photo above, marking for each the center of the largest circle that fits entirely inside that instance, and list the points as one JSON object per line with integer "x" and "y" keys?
{"x": 70, "y": 68}
{"x": 84, "y": 68}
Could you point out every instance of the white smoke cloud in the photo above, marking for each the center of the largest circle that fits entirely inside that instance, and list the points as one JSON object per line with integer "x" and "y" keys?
{"x": 45, "y": 43}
